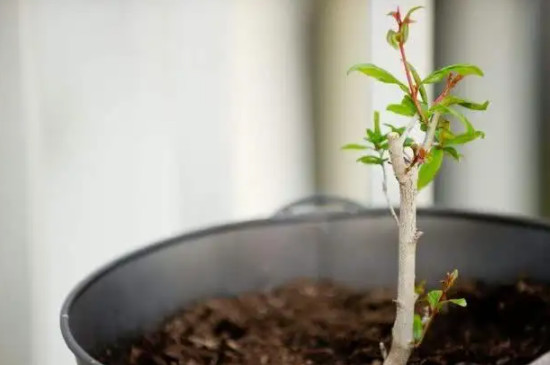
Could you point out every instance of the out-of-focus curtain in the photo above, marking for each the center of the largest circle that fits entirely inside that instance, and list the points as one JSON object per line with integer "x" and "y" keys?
{"x": 501, "y": 172}
{"x": 124, "y": 122}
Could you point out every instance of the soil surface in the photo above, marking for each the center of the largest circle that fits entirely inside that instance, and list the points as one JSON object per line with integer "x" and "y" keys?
{"x": 307, "y": 322}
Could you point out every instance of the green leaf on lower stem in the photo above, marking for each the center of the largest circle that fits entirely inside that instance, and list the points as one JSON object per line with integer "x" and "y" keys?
{"x": 458, "y": 301}
{"x": 433, "y": 298}
{"x": 429, "y": 169}
{"x": 418, "y": 328}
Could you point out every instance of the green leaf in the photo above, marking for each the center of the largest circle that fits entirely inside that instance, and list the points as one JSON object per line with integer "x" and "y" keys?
{"x": 371, "y": 160}
{"x": 406, "y": 108}
{"x": 355, "y": 146}
{"x": 391, "y": 38}
{"x": 374, "y": 137}
{"x": 465, "y": 138}
{"x": 376, "y": 122}
{"x": 443, "y": 109}
{"x": 452, "y": 277}
{"x": 452, "y": 100}
{"x": 420, "y": 288}
{"x": 404, "y": 34}
{"x": 459, "y": 301}
{"x": 451, "y": 151}
{"x": 418, "y": 328}
{"x": 409, "y": 142}
{"x": 394, "y": 129}
{"x": 429, "y": 169}
{"x": 461, "y": 69}
{"x": 379, "y": 74}
{"x": 433, "y": 298}
{"x": 418, "y": 82}
{"x": 412, "y": 10}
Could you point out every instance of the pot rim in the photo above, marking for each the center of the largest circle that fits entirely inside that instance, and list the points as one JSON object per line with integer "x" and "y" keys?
{"x": 79, "y": 352}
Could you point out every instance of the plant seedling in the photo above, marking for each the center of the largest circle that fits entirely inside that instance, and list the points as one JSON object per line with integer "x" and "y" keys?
{"x": 415, "y": 164}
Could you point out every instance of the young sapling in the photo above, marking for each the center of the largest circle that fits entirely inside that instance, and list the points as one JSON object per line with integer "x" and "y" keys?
{"x": 415, "y": 164}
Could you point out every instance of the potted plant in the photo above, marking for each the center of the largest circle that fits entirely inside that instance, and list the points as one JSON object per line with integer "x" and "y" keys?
{"x": 241, "y": 305}
{"x": 415, "y": 171}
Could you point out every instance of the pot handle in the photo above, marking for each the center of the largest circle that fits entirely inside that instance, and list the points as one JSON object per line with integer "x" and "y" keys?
{"x": 319, "y": 203}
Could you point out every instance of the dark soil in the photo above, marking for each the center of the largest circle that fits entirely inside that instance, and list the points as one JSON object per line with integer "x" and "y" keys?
{"x": 322, "y": 323}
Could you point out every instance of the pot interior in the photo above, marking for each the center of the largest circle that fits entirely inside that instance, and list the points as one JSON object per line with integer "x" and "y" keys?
{"x": 138, "y": 291}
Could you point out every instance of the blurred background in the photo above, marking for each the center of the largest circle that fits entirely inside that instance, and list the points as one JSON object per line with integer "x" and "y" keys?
{"x": 126, "y": 122}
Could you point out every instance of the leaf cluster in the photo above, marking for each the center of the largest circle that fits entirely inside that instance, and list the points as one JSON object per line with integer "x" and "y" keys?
{"x": 452, "y": 127}
{"x": 432, "y": 303}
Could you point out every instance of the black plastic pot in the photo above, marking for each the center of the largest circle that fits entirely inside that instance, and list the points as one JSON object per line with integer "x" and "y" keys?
{"x": 354, "y": 246}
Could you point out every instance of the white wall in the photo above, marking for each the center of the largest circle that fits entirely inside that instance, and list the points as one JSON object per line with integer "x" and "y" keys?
{"x": 125, "y": 117}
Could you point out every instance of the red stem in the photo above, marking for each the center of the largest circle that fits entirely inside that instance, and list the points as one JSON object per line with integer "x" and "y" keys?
{"x": 412, "y": 88}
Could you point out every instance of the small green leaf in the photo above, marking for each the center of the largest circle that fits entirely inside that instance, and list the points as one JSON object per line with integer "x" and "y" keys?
{"x": 374, "y": 137}
{"x": 433, "y": 298}
{"x": 418, "y": 82}
{"x": 461, "y": 69}
{"x": 418, "y": 328}
{"x": 376, "y": 122}
{"x": 452, "y": 276}
{"x": 452, "y": 100}
{"x": 474, "y": 106}
{"x": 429, "y": 169}
{"x": 391, "y": 38}
{"x": 412, "y": 10}
{"x": 409, "y": 142}
{"x": 406, "y": 108}
{"x": 420, "y": 288}
{"x": 459, "y": 301}
{"x": 394, "y": 129}
{"x": 371, "y": 160}
{"x": 465, "y": 138}
{"x": 379, "y": 74}
{"x": 400, "y": 109}
{"x": 404, "y": 34}
{"x": 355, "y": 146}
{"x": 451, "y": 151}
{"x": 443, "y": 109}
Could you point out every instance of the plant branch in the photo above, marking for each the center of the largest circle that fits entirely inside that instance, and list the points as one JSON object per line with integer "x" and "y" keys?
{"x": 385, "y": 189}
{"x": 430, "y": 134}
{"x": 412, "y": 88}
{"x": 408, "y": 130}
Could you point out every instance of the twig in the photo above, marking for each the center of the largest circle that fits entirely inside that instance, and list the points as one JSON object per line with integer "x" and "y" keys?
{"x": 430, "y": 134}
{"x": 385, "y": 189}
{"x": 383, "y": 350}
{"x": 408, "y": 130}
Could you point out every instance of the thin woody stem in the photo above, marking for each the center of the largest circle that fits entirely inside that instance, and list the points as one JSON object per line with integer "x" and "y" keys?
{"x": 412, "y": 89}
{"x": 386, "y": 194}
{"x": 430, "y": 134}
